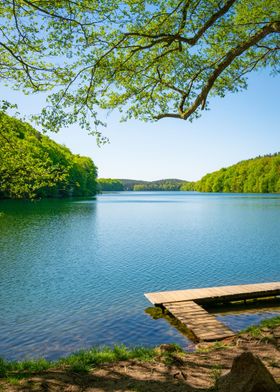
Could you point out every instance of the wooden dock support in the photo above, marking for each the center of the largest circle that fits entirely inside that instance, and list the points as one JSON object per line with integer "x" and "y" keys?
{"x": 185, "y": 305}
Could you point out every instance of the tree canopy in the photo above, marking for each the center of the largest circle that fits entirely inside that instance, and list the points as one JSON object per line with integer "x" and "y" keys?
{"x": 150, "y": 59}
{"x": 110, "y": 184}
{"x": 170, "y": 184}
{"x": 258, "y": 175}
{"x": 32, "y": 165}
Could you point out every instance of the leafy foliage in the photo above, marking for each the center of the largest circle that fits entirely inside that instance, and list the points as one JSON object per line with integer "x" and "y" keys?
{"x": 161, "y": 185}
{"x": 32, "y": 165}
{"x": 110, "y": 184}
{"x": 151, "y": 59}
{"x": 129, "y": 184}
{"x": 188, "y": 186}
{"x": 259, "y": 175}
{"x": 170, "y": 184}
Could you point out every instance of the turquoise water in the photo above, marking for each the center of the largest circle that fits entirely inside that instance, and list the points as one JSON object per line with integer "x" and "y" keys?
{"x": 73, "y": 272}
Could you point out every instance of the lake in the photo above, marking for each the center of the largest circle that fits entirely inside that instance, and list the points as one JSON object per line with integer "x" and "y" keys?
{"x": 73, "y": 272}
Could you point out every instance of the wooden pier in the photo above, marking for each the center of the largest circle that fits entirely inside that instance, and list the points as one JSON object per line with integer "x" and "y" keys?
{"x": 185, "y": 305}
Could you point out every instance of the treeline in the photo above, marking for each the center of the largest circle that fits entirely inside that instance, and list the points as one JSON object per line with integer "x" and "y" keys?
{"x": 34, "y": 166}
{"x": 159, "y": 186}
{"x": 129, "y": 184}
{"x": 171, "y": 184}
{"x": 188, "y": 186}
{"x": 110, "y": 184}
{"x": 258, "y": 175}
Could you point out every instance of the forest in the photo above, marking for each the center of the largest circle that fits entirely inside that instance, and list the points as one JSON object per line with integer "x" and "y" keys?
{"x": 109, "y": 184}
{"x": 170, "y": 184}
{"x": 257, "y": 175}
{"x": 34, "y": 166}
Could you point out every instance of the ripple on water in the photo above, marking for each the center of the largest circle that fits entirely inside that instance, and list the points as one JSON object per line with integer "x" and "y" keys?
{"x": 73, "y": 273}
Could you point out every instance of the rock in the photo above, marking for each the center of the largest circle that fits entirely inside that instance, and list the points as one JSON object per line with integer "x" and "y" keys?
{"x": 248, "y": 374}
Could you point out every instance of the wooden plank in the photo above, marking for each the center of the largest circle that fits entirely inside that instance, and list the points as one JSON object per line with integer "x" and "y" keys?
{"x": 185, "y": 305}
{"x": 216, "y": 293}
{"x": 204, "y": 325}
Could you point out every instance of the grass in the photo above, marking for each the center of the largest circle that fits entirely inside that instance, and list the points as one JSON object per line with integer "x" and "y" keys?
{"x": 37, "y": 365}
{"x": 219, "y": 345}
{"x": 80, "y": 362}
{"x": 83, "y": 361}
{"x": 257, "y": 330}
{"x": 170, "y": 354}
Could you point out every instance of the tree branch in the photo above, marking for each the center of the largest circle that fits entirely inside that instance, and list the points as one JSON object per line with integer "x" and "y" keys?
{"x": 21, "y": 61}
{"x": 270, "y": 28}
{"x": 158, "y": 38}
{"x": 217, "y": 15}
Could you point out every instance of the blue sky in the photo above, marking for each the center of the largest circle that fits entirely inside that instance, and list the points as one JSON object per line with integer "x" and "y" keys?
{"x": 237, "y": 127}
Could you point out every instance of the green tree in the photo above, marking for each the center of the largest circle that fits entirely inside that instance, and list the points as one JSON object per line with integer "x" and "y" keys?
{"x": 110, "y": 184}
{"x": 261, "y": 174}
{"x": 152, "y": 59}
{"x": 170, "y": 184}
{"x": 188, "y": 186}
{"x": 32, "y": 165}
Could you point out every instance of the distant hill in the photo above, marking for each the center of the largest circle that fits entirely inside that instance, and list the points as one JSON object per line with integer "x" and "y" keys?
{"x": 169, "y": 184}
{"x": 129, "y": 184}
{"x": 256, "y": 175}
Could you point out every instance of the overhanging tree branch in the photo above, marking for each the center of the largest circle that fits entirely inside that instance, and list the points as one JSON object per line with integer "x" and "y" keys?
{"x": 158, "y": 38}
{"x": 270, "y": 28}
{"x": 151, "y": 62}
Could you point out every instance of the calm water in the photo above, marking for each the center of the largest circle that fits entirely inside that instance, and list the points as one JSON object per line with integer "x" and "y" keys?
{"x": 73, "y": 272}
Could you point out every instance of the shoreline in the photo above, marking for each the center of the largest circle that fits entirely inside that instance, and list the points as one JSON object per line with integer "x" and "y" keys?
{"x": 166, "y": 367}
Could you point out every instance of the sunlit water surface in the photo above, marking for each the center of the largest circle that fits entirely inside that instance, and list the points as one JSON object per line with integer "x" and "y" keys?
{"x": 73, "y": 272}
